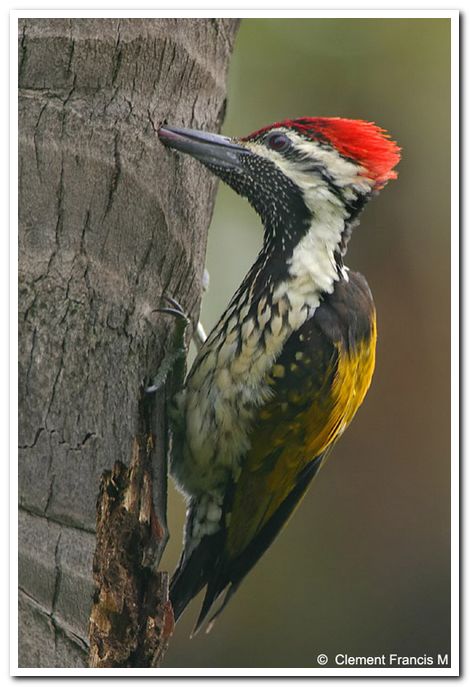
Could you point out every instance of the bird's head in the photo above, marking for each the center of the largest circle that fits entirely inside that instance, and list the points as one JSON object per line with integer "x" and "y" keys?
{"x": 298, "y": 171}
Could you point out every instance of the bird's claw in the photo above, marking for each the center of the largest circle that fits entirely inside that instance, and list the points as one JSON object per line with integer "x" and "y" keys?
{"x": 176, "y": 309}
{"x": 175, "y": 359}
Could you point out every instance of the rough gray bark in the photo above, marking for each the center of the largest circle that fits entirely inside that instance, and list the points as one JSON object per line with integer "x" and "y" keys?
{"x": 108, "y": 221}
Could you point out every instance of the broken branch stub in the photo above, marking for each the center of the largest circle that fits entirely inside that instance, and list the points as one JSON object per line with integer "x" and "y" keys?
{"x": 131, "y": 619}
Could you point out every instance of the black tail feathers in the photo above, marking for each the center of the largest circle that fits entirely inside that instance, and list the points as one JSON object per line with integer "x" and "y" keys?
{"x": 207, "y": 564}
{"x": 214, "y": 590}
{"x": 194, "y": 572}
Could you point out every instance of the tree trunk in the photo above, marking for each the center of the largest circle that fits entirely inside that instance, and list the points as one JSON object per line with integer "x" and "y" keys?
{"x": 109, "y": 220}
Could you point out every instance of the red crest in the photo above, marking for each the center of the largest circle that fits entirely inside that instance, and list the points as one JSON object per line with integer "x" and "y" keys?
{"x": 363, "y": 142}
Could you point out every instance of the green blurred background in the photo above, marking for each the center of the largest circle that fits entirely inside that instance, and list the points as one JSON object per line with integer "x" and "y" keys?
{"x": 364, "y": 565}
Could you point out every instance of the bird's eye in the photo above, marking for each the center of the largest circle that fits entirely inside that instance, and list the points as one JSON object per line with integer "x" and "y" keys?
{"x": 278, "y": 142}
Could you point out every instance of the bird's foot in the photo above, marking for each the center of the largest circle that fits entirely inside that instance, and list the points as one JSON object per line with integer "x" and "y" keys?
{"x": 174, "y": 360}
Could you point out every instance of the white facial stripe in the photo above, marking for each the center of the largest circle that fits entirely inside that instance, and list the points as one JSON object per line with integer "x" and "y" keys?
{"x": 346, "y": 174}
{"x": 312, "y": 266}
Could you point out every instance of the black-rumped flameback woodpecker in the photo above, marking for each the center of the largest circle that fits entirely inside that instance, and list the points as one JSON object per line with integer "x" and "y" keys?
{"x": 288, "y": 364}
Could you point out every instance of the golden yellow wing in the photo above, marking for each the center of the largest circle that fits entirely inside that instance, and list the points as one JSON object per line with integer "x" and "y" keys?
{"x": 319, "y": 384}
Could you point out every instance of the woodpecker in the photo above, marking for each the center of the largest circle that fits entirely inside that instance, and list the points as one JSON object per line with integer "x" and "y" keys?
{"x": 288, "y": 364}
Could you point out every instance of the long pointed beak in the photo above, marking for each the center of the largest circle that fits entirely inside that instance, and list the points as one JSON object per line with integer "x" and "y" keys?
{"x": 211, "y": 149}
